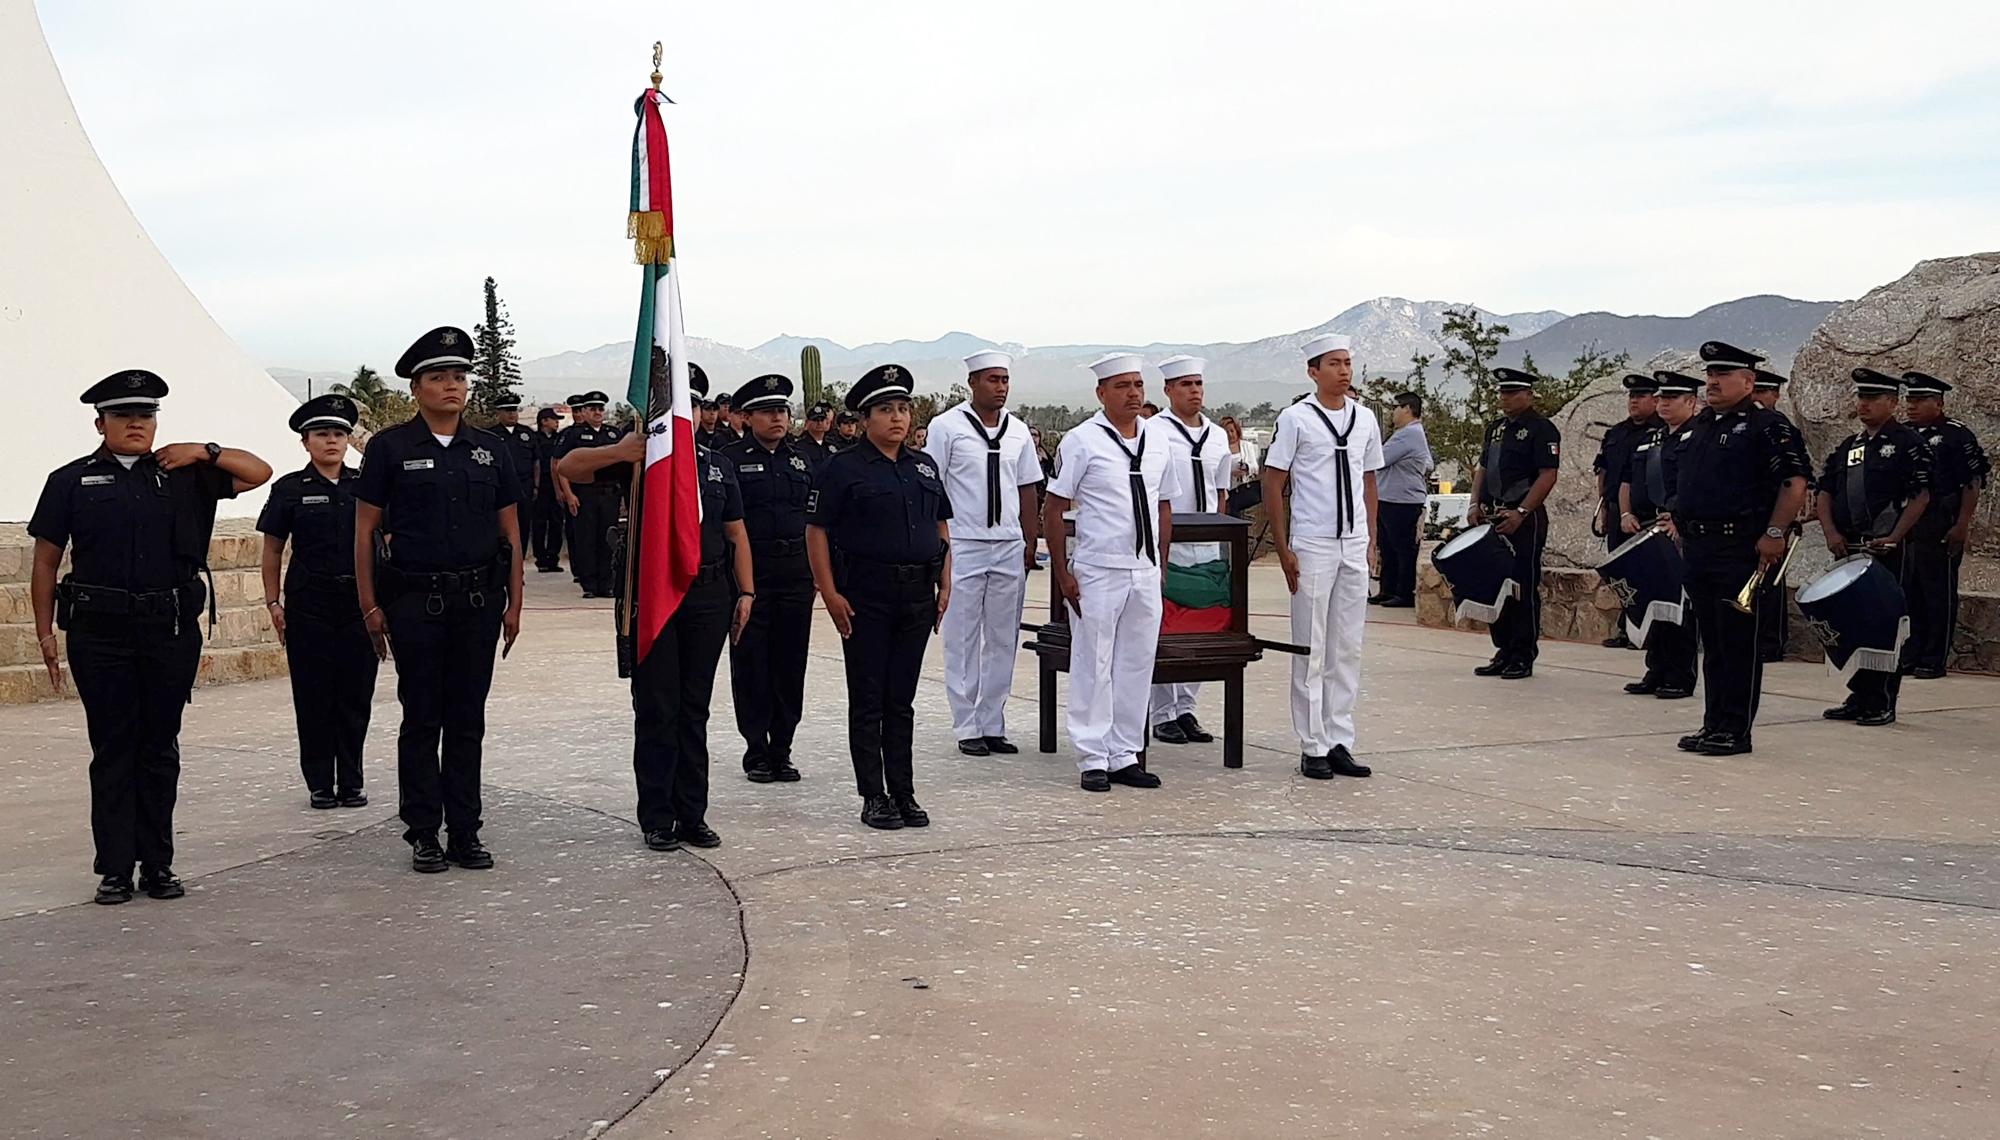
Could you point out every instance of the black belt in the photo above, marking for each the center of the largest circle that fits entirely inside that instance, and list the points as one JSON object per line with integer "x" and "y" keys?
{"x": 712, "y": 572}
{"x": 118, "y": 602}
{"x": 778, "y": 547}
{"x": 448, "y": 581}
{"x": 899, "y": 572}
{"x": 1719, "y": 528}
{"x": 304, "y": 579}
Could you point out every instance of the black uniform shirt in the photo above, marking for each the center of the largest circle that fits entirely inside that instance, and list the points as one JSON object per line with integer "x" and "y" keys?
{"x": 817, "y": 452}
{"x": 721, "y": 502}
{"x": 1960, "y": 463}
{"x": 1517, "y": 452}
{"x": 881, "y": 509}
{"x": 120, "y": 524}
{"x": 317, "y": 515}
{"x": 1614, "y": 456}
{"x": 1892, "y": 466}
{"x": 545, "y": 456}
{"x": 521, "y": 448}
{"x": 440, "y": 505}
{"x": 775, "y": 484}
{"x": 1647, "y": 470}
{"x": 577, "y": 436}
{"x": 1729, "y": 466}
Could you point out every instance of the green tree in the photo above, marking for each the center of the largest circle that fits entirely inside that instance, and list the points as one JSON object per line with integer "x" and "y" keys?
{"x": 1590, "y": 366}
{"x": 496, "y": 367}
{"x": 380, "y": 405}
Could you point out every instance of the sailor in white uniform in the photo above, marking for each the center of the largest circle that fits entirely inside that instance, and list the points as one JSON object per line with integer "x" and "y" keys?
{"x": 1200, "y": 448}
{"x": 990, "y": 472}
{"x": 1120, "y": 479}
{"x": 1330, "y": 446}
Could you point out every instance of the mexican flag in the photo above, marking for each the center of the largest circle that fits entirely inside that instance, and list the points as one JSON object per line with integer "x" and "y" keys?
{"x": 665, "y": 537}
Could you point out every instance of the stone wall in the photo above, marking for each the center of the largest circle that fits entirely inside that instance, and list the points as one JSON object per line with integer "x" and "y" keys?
{"x": 243, "y": 645}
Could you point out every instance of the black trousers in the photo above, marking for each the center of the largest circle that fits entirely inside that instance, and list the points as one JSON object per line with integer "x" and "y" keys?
{"x": 1670, "y": 654}
{"x": 333, "y": 685}
{"x": 1518, "y": 630}
{"x": 1396, "y": 536}
{"x": 550, "y": 518}
{"x": 444, "y": 648}
{"x": 885, "y": 657}
{"x": 1932, "y": 586}
{"x": 1732, "y": 672}
{"x": 1874, "y": 690}
{"x": 590, "y": 549}
{"x": 134, "y": 679}
{"x": 670, "y": 695}
{"x": 1777, "y": 625}
{"x": 767, "y": 668}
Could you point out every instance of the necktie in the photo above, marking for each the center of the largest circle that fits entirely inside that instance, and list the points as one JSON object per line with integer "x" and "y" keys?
{"x": 1194, "y": 460}
{"x": 992, "y": 464}
{"x": 1142, "y": 519}
{"x": 1343, "y": 473}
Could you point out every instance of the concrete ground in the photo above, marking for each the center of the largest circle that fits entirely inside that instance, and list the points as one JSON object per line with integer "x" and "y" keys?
{"x": 1537, "y": 919}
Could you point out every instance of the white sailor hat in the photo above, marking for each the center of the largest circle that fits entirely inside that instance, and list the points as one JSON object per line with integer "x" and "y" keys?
{"x": 1326, "y": 342}
{"x": 1115, "y": 364}
{"x": 988, "y": 358}
{"x": 1182, "y": 366}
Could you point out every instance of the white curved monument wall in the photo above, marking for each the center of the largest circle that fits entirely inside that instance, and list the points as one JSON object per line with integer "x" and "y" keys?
{"x": 84, "y": 292}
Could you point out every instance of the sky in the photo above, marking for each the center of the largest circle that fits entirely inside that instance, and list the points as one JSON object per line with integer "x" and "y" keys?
{"x": 331, "y": 180}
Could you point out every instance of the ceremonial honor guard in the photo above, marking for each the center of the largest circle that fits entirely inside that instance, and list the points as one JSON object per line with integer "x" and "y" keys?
{"x": 520, "y": 442}
{"x": 673, "y": 684}
{"x": 136, "y": 523}
{"x": 446, "y": 587}
{"x": 816, "y": 440}
{"x": 594, "y": 504}
{"x": 1644, "y": 489}
{"x": 1330, "y": 447}
{"x": 990, "y": 472}
{"x": 1200, "y": 448}
{"x": 1516, "y": 472}
{"x": 1121, "y": 481}
{"x": 881, "y": 558}
{"x": 1614, "y": 456}
{"x": 767, "y": 664}
{"x": 1937, "y": 545}
{"x": 1873, "y": 489}
{"x": 550, "y": 512}
{"x": 332, "y": 661}
{"x": 1775, "y": 630}
{"x": 1739, "y": 478}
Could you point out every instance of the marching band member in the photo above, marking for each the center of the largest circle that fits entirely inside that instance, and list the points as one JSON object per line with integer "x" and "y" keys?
{"x": 1937, "y": 545}
{"x": 1514, "y": 477}
{"x": 1643, "y": 492}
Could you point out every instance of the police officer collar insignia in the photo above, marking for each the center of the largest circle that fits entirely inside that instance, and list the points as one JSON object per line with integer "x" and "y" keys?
{"x": 482, "y": 457}
{"x": 1888, "y": 450}
{"x": 798, "y": 463}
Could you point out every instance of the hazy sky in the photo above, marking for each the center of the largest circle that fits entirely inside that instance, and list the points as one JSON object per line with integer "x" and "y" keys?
{"x": 332, "y": 179}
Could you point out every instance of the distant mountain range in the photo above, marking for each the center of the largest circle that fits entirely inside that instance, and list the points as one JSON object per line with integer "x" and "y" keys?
{"x": 1773, "y": 326}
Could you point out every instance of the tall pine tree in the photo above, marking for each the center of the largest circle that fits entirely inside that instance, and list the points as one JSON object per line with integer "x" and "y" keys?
{"x": 496, "y": 368}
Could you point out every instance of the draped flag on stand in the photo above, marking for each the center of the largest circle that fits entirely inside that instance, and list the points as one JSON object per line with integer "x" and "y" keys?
{"x": 664, "y": 542}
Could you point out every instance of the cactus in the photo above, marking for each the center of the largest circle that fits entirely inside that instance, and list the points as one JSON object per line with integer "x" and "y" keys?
{"x": 809, "y": 374}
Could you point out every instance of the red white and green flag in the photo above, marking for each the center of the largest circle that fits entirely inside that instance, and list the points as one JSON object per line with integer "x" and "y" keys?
{"x": 666, "y": 516}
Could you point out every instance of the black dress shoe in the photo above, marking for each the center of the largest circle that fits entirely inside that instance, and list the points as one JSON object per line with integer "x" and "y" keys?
{"x": 1722, "y": 744}
{"x": 1927, "y": 672}
{"x": 1844, "y": 711}
{"x": 1906, "y": 670}
{"x": 1670, "y": 693}
{"x": 114, "y": 889}
{"x": 759, "y": 773}
{"x": 880, "y": 812}
{"x": 1693, "y": 741}
{"x": 974, "y": 746}
{"x": 662, "y": 839}
{"x": 1517, "y": 672}
{"x": 1342, "y": 762}
{"x": 1877, "y": 718}
{"x": 1315, "y": 767}
{"x": 784, "y": 773}
{"x": 1770, "y": 658}
{"x": 1169, "y": 732}
{"x": 1192, "y": 729}
{"x": 1133, "y": 776}
{"x": 1400, "y": 604}
{"x": 426, "y": 857}
{"x": 160, "y": 883}
{"x": 1492, "y": 668}
{"x": 1377, "y": 599}
{"x": 1001, "y": 746}
{"x": 1642, "y": 688}
{"x": 697, "y": 834}
{"x": 1619, "y": 641}
{"x": 469, "y": 853}
{"x": 547, "y": 569}
{"x": 1096, "y": 780}
{"x": 323, "y": 800}
{"x": 355, "y": 798}
{"x": 913, "y": 813}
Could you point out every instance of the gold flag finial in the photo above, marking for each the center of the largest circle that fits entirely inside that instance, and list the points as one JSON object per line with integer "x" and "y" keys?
{"x": 656, "y": 66}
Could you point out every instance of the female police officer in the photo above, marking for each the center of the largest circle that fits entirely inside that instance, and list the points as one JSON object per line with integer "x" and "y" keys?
{"x": 137, "y": 523}
{"x": 332, "y": 661}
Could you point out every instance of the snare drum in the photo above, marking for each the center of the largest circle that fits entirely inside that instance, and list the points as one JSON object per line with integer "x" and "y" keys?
{"x": 1647, "y": 574}
{"x": 1858, "y": 612}
{"x": 1479, "y": 564}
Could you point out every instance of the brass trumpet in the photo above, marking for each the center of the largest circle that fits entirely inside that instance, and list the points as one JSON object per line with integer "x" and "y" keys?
{"x": 1745, "y": 600}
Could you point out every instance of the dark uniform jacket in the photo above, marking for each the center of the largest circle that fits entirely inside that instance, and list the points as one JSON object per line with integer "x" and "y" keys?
{"x": 1730, "y": 466}
{"x": 1648, "y": 471}
{"x": 881, "y": 509}
{"x": 545, "y": 457}
{"x": 1517, "y": 452}
{"x": 721, "y": 502}
{"x": 1614, "y": 455}
{"x": 1871, "y": 478}
{"x": 775, "y": 484}
{"x": 583, "y": 435}
{"x": 1959, "y": 463}
{"x": 317, "y": 517}
{"x": 440, "y": 505}
{"x": 142, "y": 529}
{"x": 521, "y": 448}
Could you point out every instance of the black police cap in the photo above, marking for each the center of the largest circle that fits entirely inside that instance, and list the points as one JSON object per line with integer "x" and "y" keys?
{"x": 508, "y": 402}
{"x": 1674, "y": 383}
{"x": 724, "y": 399}
{"x": 547, "y": 414}
{"x": 1716, "y": 354}
{"x": 1639, "y": 385}
{"x": 1505, "y": 378}
{"x": 442, "y": 347}
{"x": 1923, "y": 384}
{"x": 332, "y": 410}
{"x": 820, "y": 409}
{"x": 698, "y": 383}
{"x": 1868, "y": 382}
{"x": 592, "y": 399}
{"x": 886, "y": 382}
{"x": 573, "y": 401}
{"x": 133, "y": 389}
{"x": 1770, "y": 380}
{"x": 768, "y": 391}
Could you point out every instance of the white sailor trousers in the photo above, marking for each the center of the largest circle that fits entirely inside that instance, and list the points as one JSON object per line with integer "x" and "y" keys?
{"x": 1329, "y": 614}
{"x": 981, "y": 630}
{"x": 1111, "y": 664}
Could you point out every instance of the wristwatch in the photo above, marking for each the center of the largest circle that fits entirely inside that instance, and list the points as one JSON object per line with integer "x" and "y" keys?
{"x": 1774, "y": 532}
{"x": 214, "y": 451}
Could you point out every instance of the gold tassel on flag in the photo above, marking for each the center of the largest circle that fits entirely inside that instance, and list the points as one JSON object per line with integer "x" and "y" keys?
{"x": 651, "y": 243}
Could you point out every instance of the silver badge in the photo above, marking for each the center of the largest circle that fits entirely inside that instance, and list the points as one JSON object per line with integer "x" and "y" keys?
{"x": 1740, "y": 428}
{"x": 1521, "y": 434}
{"x": 482, "y": 457}
{"x": 798, "y": 463}
{"x": 715, "y": 474}
{"x": 926, "y": 470}
{"x": 1888, "y": 450}
{"x": 1937, "y": 441}
{"x": 448, "y": 338}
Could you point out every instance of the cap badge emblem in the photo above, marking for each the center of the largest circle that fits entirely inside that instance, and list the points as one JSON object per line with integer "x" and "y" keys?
{"x": 482, "y": 457}
{"x": 892, "y": 374}
{"x": 448, "y": 338}
{"x": 134, "y": 380}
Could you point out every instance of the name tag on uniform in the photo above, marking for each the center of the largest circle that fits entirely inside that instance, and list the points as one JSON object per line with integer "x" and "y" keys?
{"x": 749, "y": 467}
{"x": 315, "y": 500}
{"x": 419, "y": 464}
{"x": 1856, "y": 456}
{"x": 99, "y": 480}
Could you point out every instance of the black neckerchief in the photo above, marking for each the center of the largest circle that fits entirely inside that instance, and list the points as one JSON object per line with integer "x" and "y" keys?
{"x": 1343, "y": 474}
{"x": 1142, "y": 519}
{"x": 992, "y": 463}
{"x": 1200, "y": 479}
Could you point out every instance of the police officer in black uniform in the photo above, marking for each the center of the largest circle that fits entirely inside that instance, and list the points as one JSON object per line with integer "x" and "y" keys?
{"x": 673, "y": 682}
{"x": 594, "y": 504}
{"x": 1614, "y": 457}
{"x": 445, "y": 500}
{"x": 817, "y": 439}
{"x": 550, "y": 513}
{"x": 1739, "y": 480}
{"x": 564, "y": 497}
{"x": 767, "y": 666}
{"x": 1935, "y": 548}
{"x": 136, "y": 522}
{"x": 1644, "y": 491}
{"x": 1514, "y": 477}
{"x": 876, "y": 533}
{"x": 1874, "y": 488}
{"x": 331, "y": 657}
{"x": 1775, "y": 632}
{"x": 520, "y": 441}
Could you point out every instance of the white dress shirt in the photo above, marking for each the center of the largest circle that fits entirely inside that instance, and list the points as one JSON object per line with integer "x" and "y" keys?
{"x": 1217, "y": 462}
{"x": 1304, "y": 446}
{"x": 1095, "y": 474}
{"x": 961, "y": 454}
